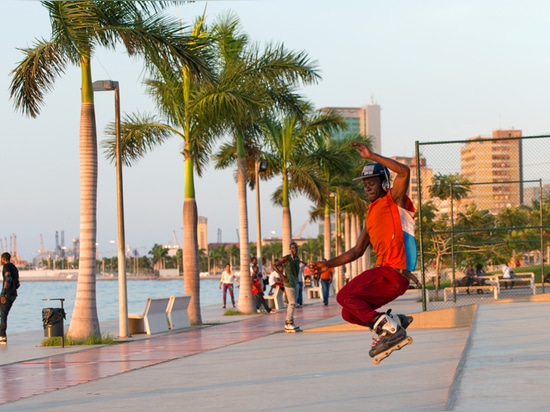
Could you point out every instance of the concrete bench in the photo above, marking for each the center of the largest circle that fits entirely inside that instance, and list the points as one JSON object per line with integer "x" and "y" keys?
{"x": 315, "y": 292}
{"x": 276, "y": 300}
{"x": 473, "y": 290}
{"x": 521, "y": 280}
{"x": 177, "y": 312}
{"x": 152, "y": 320}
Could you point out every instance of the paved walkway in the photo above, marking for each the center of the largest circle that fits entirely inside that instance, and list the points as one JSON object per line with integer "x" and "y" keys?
{"x": 245, "y": 363}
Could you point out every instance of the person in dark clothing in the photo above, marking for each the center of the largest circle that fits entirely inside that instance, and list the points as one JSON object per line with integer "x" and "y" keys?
{"x": 10, "y": 282}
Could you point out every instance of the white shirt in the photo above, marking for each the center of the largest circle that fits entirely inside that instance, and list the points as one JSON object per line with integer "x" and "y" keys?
{"x": 301, "y": 272}
{"x": 506, "y": 272}
{"x": 227, "y": 278}
{"x": 274, "y": 278}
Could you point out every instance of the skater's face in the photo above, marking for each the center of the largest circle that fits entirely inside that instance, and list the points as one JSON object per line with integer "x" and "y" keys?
{"x": 373, "y": 188}
{"x": 293, "y": 249}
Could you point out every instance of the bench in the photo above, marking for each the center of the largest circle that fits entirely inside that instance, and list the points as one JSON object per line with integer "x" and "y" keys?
{"x": 473, "y": 290}
{"x": 176, "y": 312}
{"x": 315, "y": 292}
{"x": 276, "y": 300}
{"x": 526, "y": 279}
{"x": 152, "y": 320}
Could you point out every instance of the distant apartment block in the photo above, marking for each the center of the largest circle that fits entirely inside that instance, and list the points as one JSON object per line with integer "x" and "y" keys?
{"x": 363, "y": 120}
{"x": 426, "y": 175}
{"x": 532, "y": 194}
{"x": 495, "y": 160}
{"x": 202, "y": 233}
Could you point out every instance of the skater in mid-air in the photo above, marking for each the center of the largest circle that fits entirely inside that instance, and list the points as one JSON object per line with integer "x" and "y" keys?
{"x": 390, "y": 231}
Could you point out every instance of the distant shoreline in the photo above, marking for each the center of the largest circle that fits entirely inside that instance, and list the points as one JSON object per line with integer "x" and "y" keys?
{"x": 62, "y": 278}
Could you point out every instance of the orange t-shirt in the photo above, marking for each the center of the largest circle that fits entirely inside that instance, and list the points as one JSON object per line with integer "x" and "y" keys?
{"x": 327, "y": 274}
{"x": 386, "y": 233}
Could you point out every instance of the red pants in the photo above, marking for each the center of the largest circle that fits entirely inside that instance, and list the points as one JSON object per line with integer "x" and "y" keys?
{"x": 367, "y": 292}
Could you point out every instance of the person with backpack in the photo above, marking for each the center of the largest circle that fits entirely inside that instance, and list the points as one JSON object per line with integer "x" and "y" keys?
{"x": 10, "y": 284}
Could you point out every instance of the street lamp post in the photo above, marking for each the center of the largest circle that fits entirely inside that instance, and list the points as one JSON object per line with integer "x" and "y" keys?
{"x": 339, "y": 277}
{"x": 110, "y": 85}
{"x": 261, "y": 166}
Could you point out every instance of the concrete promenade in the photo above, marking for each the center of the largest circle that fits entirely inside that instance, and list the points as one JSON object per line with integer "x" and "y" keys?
{"x": 245, "y": 363}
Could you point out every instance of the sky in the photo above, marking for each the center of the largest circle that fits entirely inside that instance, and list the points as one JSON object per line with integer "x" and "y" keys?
{"x": 439, "y": 70}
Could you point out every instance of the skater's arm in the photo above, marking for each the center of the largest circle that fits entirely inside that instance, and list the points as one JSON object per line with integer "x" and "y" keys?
{"x": 349, "y": 256}
{"x": 278, "y": 266}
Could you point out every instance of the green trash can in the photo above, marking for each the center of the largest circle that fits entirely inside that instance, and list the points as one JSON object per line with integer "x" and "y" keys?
{"x": 52, "y": 318}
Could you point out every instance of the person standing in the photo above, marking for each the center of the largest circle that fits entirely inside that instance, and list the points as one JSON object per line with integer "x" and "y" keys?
{"x": 326, "y": 281}
{"x": 507, "y": 273}
{"x": 257, "y": 291}
{"x": 288, "y": 268}
{"x": 10, "y": 283}
{"x": 390, "y": 230}
{"x": 274, "y": 281}
{"x": 265, "y": 276}
{"x": 300, "y": 286}
{"x": 227, "y": 280}
{"x": 470, "y": 275}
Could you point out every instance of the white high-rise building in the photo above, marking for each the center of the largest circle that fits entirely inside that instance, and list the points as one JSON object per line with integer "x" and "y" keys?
{"x": 364, "y": 120}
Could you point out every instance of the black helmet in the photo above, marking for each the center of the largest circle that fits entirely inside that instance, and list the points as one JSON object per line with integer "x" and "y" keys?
{"x": 374, "y": 169}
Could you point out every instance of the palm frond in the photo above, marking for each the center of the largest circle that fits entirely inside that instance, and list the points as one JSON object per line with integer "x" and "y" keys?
{"x": 139, "y": 135}
{"x": 35, "y": 75}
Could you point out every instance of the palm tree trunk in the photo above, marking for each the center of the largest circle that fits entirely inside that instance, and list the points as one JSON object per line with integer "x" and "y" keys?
{"x": 347, "y": 241}
{"x": 353, "y": 235}
{"x": 84, "y": 320}
{"x": 326, "y": 232}
{"x": 190, "y": 247}
{"x": 286, "y": 235}
{"x": 245, "y": 288}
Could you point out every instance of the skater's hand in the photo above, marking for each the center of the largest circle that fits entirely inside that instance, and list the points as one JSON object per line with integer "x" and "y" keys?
{"x": 362, "y": 149}
{"x": 220, "y": 286}
{"x": 3, "y": 300}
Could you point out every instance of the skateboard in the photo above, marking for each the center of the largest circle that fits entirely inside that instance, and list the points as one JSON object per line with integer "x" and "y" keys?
{"x": 383, "y": 355}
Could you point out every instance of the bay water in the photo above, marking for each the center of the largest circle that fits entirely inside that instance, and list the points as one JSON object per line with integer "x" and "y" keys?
{"x": 26, "y": 312}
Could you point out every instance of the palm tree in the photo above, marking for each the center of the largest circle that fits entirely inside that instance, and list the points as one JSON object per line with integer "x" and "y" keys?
{"x": 189, "y": 109}
{"x": 233, "y": 251}
{"x": 218, "y": 257}
{"x": 78, "y": 29}
{"x": 244, "y": 84}
{"x": 294, "y": 149}
{"x": 158, "y": 253}
{"x": 339, "y": 164}
{"x": 443, "y": 186}
{"x": 267, "y": 78}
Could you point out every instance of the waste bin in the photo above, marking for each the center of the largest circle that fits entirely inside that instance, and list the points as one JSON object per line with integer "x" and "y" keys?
{"x": 52, "y": 318}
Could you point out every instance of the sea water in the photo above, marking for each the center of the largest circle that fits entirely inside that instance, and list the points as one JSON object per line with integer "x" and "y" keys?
{"x": 26, "y": 312}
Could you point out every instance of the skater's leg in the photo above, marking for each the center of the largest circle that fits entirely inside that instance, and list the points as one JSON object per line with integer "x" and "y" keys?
{"x": 390, "y": 333}
{"x": 367, "y": 292}
{"x": 291, "y": 297}
{"x": 402, "y": 320}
